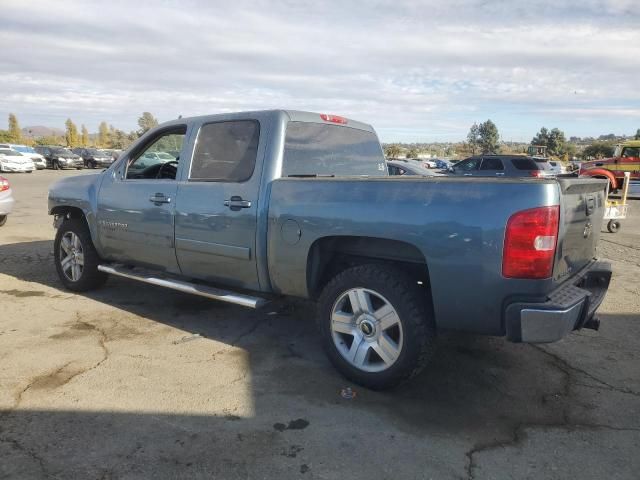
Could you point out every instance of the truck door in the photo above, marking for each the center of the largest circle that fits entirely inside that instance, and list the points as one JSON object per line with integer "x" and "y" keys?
{"x": 216, "y": 207}
{"x": 136, "y": 203}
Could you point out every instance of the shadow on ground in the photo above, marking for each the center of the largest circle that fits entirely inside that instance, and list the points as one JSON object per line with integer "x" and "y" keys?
{"x": 477, "y": 391}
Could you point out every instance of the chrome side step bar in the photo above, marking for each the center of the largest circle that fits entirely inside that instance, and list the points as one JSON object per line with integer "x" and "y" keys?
{"x": 148, "y": 276}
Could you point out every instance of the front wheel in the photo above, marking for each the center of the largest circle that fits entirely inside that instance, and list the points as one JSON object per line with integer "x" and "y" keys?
{"x": 76, "y": 258}
{"x": 613, "y": 226}
{"x": 376, "y": 326}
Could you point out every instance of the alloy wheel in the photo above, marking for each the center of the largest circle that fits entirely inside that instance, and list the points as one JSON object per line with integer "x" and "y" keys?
{"x": 366, "y": 330}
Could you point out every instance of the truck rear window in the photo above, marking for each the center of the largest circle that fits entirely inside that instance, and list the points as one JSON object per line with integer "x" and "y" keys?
{"x": 319, "y": 149}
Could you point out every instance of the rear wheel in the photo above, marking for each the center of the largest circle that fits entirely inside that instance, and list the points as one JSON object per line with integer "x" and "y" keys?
{"x": 613, "y": 226}
{"x": 3, "y": 220}
{"x": 375, "y": 325}
{"x": 76, "y": 258}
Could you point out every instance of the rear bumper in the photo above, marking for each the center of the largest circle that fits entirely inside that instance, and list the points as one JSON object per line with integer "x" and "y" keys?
{"x": 570, "y": 307}
{"x": 6, "y": 204}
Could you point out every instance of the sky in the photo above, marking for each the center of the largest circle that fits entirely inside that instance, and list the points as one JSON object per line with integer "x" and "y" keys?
{"x": 418, "y": 71}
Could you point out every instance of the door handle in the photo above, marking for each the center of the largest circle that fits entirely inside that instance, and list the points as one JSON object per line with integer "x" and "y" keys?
{"x": 236, "y": 203}
{"x": 159, "y": 198}
{"x": 468, "y": 174}
{"x": 499, "y": 174}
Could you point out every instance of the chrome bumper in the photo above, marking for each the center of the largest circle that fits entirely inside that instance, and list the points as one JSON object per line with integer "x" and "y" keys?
{"x": 570, "y": 307}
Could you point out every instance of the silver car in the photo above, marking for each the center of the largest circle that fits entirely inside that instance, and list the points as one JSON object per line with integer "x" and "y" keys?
{"x": 6, "y": 200}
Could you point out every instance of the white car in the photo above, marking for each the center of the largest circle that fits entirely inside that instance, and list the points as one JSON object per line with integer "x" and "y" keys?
{"x": 12, "y": 161}
{"x": 38, "y": 160}
{"x": 429, "y": 163}
{"x": 6, "y": 200}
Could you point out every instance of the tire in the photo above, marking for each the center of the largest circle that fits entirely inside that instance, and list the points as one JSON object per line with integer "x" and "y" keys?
{"x": 74, "y": 233}
{"x": 389, "y": 352}
{"x": 613, "y": 226}
{"x": 3, "y": 220}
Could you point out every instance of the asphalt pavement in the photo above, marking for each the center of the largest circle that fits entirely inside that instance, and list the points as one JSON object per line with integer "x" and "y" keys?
{"x": 134, "y": 381}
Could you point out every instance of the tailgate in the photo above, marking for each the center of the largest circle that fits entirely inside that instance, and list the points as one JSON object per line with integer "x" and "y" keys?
{"x": 582, "y": 209}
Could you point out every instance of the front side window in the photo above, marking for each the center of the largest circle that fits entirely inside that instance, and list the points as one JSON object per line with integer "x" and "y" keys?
{"x": 629, "y": 152}
{"x": 153, "y": 161}
{"x": 226, "y": 151}
{"x": 468, "y": 165}
{"x": 320, "y": 149}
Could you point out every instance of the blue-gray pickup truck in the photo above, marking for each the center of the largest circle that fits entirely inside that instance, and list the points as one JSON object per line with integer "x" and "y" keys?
{"x": 245, "y": 207}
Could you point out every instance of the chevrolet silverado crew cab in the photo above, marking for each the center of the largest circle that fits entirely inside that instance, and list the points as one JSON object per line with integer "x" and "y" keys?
{"x": 245, "y": 207}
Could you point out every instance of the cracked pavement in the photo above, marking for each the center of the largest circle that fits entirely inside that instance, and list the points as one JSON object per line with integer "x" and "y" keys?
{"x": 135, "y": 381}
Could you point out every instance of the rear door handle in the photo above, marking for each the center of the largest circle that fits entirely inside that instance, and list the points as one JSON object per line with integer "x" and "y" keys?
{"x": 159, "y": 198}
{"x": 499, "y": 174}
{"x": 236, "y": 203}
{"x": 468, "y": 174}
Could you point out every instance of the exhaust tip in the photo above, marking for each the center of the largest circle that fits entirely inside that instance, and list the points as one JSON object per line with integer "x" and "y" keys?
{"x": 593, "y": 323}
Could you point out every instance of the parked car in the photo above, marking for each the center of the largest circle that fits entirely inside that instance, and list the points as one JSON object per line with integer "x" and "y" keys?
{"x": 552, "y": 167}
{"x": 114, "y": 154}
{"x": 275, "y": 203}
{"x": 38, "y": 160}
{"x": 6, "y": 200}
{"x": 442, "y": 164}
{"x": 93, "y": 158}
{"x": 428, "y": 163}
{"x": 12, "y": 161}
{"x": 408, "y": 167}
{"x": 60, "y": 157}
{"x": 499, "y": 166}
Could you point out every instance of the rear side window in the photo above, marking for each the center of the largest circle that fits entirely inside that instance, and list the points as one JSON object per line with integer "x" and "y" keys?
{"x": 226, "y": 151}
{"x": 319, "y": 149}
{"x": 491, "y": 164}
{"x": 524, "y": 163}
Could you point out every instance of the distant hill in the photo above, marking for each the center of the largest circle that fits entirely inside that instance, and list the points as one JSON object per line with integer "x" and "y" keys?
{"x": 41, "y": 131}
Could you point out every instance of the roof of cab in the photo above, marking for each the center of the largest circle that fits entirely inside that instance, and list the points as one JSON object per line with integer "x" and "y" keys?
{"x": 293, "y": 115}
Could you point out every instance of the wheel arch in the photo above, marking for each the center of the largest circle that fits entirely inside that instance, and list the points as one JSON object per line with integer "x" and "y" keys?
{"x": 69, "y": 211}
{"x": 330, "y": 255}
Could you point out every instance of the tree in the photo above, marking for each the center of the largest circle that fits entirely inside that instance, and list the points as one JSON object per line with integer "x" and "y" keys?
{"x": 71, "y": 134}
{"x": 489, "y": 137}
{"x": 599, "y": 150}
{"x": 14, "y": 129}
{"x": 103, "y": 135}
{"x": 5, "y": 136}
{"x": 84, "y": 140}
{"x": 637, "y": 136}
{"x": 473, "y": 138}
{"x": 146, "y": 123}
{"x": 392, "y": 151}
{"x": 412, "y": 153}
{"x": 554, "y": 140}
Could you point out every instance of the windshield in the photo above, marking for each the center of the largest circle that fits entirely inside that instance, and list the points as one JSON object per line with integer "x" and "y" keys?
{"x": 24, "y": 149}
{"x": 96, "y": 153}
{"x": 5, "y": 151}
{"x": 320, "y": 149}
{"x": 62, "y": 151}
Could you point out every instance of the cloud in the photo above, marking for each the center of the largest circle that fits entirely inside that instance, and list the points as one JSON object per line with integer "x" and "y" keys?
{"x": 415, "y": 70}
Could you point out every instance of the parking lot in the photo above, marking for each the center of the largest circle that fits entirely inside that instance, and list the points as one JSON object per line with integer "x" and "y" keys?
{"x": 134, "y": 380}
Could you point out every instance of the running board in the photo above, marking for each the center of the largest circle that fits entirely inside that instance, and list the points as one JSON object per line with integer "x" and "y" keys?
{"x": 186, "y": 287}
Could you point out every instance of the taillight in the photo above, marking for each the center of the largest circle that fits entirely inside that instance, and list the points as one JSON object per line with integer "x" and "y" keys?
{"x": 536, "y": 173}
{"x": 333, "y": 119}
{"x": 530, "y": 243}
{"x": 4, "y": 184}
